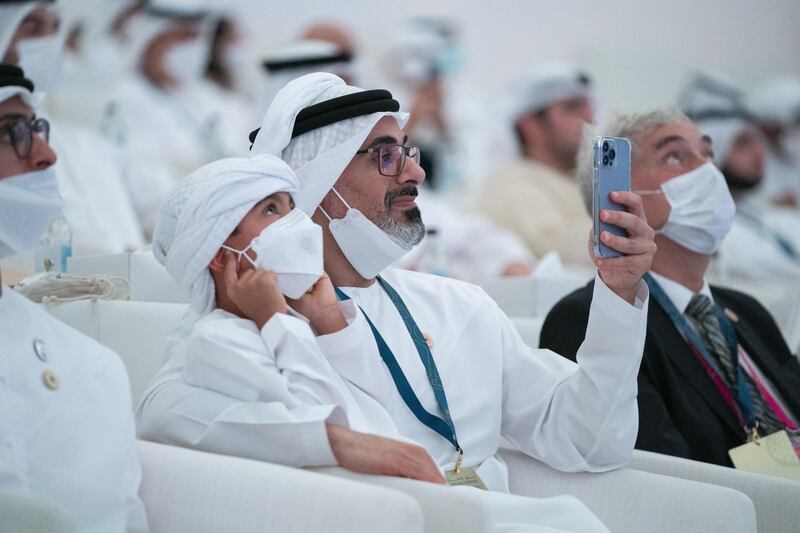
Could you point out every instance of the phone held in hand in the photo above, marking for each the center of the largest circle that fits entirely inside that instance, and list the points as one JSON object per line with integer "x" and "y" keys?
{"x": 612, "y": 172}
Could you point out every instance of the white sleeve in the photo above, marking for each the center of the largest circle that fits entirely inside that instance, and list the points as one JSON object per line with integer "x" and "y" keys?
{"x": 584, "y": 416}
{"x": 136, "y": 517}
{"x": 263, "y": 395}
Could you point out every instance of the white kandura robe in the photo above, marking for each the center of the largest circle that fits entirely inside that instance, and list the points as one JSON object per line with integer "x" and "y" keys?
{"x": 169, "y": 133}
{"x": 574, "y": 418}
{"x": 73, "y": 444}
{"x": 97, "y": 205}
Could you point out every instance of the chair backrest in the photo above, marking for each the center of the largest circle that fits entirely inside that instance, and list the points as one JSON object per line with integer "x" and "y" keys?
{"x": 137, "y": 331}
{"x": 530, "y": 297}
{"x": 529, "y": 329}
{"x": 149, "y": 281}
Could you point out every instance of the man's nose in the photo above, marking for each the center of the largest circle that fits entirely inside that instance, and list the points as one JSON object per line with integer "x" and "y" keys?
{"x": 42, "y": 155}
{"x": 412, "y": 172}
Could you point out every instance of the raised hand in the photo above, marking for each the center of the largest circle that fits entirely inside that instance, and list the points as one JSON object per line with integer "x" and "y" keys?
{"x": 321, "y": 307}
{"x": 622, "y": 274}
{"x": 255, "y": 292}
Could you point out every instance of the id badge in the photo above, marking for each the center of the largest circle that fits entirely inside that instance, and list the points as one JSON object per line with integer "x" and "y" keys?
{"x": 772, "y": 455}
{"x": 465, "y": 477}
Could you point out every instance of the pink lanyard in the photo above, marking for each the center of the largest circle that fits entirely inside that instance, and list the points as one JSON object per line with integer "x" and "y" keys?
{"x": 720, "y": 385}
{"x": 768, "y": 397}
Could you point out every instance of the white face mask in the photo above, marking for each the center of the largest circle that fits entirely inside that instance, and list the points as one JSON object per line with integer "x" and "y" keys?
{"x": 701, "y": 209}
{"x": 42, "y": 59}
{"x": 291, "y": 247}
{"x": 28, "y": 202}
{"x": 186, "y": 61}
{"x": 368, "y": 248}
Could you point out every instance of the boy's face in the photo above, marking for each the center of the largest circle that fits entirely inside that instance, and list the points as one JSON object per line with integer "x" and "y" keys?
{"x": 263, "y": 214}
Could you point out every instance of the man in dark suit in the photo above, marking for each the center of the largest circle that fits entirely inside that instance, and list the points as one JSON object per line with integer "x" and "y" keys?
{"x": 714, "y": 359}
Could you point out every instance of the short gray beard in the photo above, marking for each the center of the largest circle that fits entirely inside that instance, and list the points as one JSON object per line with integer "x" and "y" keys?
{"x": 405, "y": 234}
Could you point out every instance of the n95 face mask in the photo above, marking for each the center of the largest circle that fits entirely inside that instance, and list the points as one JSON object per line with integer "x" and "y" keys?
{"x": 366, "y": 246}
{"x": 28, "y": 203}
{"x": 291, "y": 247}
{"x": 701, "y": 209}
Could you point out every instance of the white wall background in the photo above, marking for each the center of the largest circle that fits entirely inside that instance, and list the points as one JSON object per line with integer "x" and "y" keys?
{"x": 638, "y": 51}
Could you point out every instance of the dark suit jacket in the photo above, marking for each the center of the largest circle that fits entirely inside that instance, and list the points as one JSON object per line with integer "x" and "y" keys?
{"x": 680, "y": 411}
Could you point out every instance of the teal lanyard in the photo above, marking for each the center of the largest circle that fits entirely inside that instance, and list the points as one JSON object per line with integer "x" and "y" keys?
{"x": 443, "y": 427}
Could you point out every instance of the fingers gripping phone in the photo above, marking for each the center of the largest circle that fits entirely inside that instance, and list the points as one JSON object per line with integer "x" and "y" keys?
{"x": 612, "y": 172}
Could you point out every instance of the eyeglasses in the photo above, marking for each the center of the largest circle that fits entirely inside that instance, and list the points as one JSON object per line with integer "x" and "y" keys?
{"x": 20, "y": 131}
{"x": 392, "y": 157}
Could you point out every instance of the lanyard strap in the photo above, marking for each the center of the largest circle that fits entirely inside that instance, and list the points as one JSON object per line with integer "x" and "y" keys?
{"x": 443, "y": 427}
{"x": 744, "y": 401}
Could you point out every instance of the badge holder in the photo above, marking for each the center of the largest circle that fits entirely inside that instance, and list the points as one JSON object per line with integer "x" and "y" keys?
{"x": 467, "y": 477}
{"x": 773, "y": 455}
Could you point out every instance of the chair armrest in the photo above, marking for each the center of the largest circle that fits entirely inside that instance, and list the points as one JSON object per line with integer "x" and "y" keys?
{"x": 629, "y": 500}
{"x": 196, "y": 492}
{"x": 775, "y": 499}
{"x": 444, "y": 508}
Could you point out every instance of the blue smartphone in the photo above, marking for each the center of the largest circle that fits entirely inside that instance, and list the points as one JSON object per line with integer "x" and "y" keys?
{"x": 612, "y": 172}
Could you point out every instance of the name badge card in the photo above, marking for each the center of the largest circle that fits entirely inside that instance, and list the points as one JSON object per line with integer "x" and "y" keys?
{"x": 465, "y": 477}
{"x": 772, "y": 455}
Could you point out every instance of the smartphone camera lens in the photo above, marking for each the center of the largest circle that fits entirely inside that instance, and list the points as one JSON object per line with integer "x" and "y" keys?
{"x": 605, "y": 147}
{"x": 605, "y": 160}
{"x": 612, "y": 154}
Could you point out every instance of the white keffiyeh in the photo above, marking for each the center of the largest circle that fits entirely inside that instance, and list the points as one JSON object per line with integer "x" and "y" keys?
{"x": 204, "y": 210}
{"x": 319, "y": 156}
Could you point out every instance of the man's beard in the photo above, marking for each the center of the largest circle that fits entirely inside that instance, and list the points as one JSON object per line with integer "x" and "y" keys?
{"x": 740, "y": 182}
{"x": 406, "y": 234}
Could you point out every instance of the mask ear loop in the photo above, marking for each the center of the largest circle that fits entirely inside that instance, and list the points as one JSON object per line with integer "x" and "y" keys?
{"x": 649, "y": 192}
{"x": 241, "y": 253}
{"x": 340, "y": 198}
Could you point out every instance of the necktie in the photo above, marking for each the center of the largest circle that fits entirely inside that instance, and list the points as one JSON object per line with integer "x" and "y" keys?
{"x": 701, "y": 311}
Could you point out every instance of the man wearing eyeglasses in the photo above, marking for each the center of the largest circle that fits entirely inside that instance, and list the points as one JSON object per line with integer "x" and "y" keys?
{"x": 439, "y": 356}
{"x": 67, "y": 435}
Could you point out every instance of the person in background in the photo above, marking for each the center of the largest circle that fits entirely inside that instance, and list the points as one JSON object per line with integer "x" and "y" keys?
{"x": 167, "y": 118}
{"x": 69, "y": 437}
{"x": 776, "y": 105}
{"x": 537, "y": 197}
{"x": 716, "y": 369}
{"x": 756, "y": 251}
{"x": 461, "y": 245}
{"x": 97, "y": 57}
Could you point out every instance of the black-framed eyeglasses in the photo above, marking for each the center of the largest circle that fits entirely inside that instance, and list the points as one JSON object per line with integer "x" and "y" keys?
{"x": 20, "y": 132}
{"x": 392, "y": 157}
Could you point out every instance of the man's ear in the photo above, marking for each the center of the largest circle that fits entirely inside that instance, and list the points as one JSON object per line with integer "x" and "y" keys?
{"x": 217, "y": 263}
